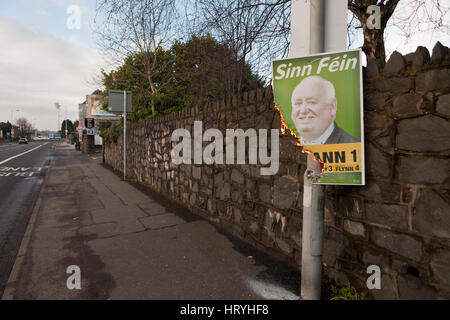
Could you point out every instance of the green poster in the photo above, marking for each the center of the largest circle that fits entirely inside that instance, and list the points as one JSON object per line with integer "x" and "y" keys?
{"x": 320, "y": 100}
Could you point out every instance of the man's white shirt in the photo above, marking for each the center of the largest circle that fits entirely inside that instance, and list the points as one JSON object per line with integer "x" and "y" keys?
{"x": 320, "y": 140}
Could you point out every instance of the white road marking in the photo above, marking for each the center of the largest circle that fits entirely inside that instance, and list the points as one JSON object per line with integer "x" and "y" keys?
{"x": 16, "y": 174}
{"x": 20, "y": 172}
{"x": 14, "y": 169}
{"x": 21, "y": 154}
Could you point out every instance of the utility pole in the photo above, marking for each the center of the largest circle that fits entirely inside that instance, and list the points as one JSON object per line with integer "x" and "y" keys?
{"x": 66, "y": 122}
{"x": 12, "y": 115}
{"x": 57, "y": 106}
{"x": 316, "y": 26}
{"x": 124, "y": 135}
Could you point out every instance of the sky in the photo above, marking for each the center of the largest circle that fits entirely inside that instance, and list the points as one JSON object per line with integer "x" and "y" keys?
{"x": 43, "y": 61}
{"x": 45, "y": 58}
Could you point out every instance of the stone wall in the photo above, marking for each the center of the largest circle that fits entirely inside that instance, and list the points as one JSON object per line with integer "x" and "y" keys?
{"x": 399, "y": 221}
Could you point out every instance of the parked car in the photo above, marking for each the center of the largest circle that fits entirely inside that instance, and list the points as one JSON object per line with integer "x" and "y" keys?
{"x": 23, "y": 140}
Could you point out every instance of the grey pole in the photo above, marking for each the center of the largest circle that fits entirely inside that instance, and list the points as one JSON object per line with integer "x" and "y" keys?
{"x": 327, "y": 28}
{"x": 57, "y": 105}
{"x": 66, "y": 122}
{"x": 307, "y": 34}
{"x": 313, "y": 194}
{"x": 317, "y": 27}
{"x": 124, "y": 135}
{"x": 312, "y": 238}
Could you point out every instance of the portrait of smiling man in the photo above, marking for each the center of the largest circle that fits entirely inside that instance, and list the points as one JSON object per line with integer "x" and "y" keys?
{"x": 314, "y": 107}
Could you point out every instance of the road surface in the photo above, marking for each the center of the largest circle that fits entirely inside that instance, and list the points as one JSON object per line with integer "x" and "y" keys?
{"x": 22, "y": 169}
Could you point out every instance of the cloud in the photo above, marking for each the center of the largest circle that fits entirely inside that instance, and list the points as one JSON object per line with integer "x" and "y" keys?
{"x": 41, "y": 12}
{"x": 37, "y": 69}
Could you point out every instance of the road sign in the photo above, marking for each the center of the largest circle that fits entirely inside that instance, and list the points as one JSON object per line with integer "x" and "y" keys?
{"x": 90, "y": 132}
{"x": 89, "y": 123}
{"x": 115, "y": 101}
{"x": 320, "y": 99}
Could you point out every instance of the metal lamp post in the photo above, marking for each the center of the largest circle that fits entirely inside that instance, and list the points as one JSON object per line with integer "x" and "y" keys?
{"x": 66, "y": 122}
{"x": 57, "y": 106}
{"x": 12, "y": 115}
{"x": 316, "y": 26}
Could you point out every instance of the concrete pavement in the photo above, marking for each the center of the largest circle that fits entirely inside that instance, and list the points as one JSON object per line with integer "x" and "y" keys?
{"x": 131, "y": 245}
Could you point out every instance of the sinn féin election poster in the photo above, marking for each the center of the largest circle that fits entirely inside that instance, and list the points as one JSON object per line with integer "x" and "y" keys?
{"x": 320, "y": 101}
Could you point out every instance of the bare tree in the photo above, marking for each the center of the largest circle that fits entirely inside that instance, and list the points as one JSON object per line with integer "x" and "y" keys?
{"x": 373, "y": 45}
{"x": 417, "y": 16}
{"x": 407, "y": 16}
{"x": 24, "y": 127}
{"x": 260, "y": 29}
{"x": 255, "y": 31}
{"x": 141, "y": 28}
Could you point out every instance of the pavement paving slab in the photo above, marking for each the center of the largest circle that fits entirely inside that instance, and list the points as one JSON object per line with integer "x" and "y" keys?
{"x": 152, "y": 208}
{"x": 161, "y": 221}
{"x": 130, "y": 245}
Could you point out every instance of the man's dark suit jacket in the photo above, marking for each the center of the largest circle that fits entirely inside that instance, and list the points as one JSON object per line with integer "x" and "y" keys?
{"x": 340, "y": 136}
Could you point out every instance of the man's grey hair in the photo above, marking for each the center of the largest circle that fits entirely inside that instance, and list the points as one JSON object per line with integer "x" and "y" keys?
{"x": 318, "y": 80}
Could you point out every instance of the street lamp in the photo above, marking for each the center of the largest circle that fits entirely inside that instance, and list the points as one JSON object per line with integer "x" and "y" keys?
{"x": 57, "y": 106}
{"x": 12, "y": 115}
{"x": 66, "y": 122}
{"x": 33, "y": 122}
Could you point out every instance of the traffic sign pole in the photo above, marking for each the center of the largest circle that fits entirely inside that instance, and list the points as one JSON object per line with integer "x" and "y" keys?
{"x": 124, "y": 135}
{"x": 117, "y": 106}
